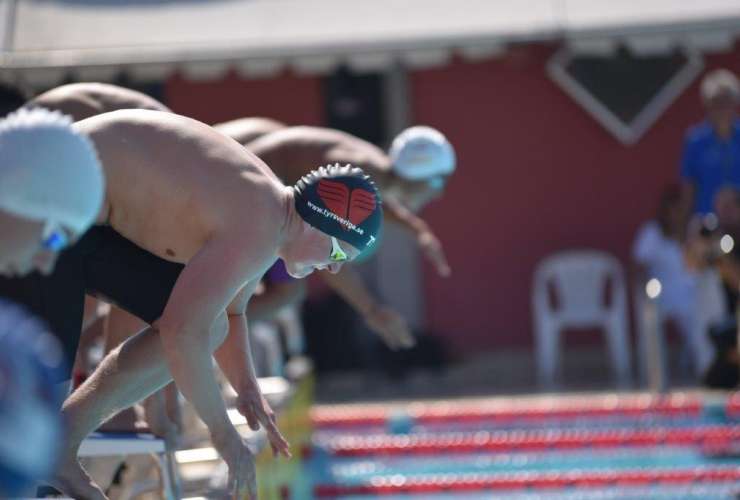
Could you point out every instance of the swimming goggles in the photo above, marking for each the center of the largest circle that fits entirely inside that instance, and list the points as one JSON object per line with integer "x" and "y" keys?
{"x": 54, "y": 238}
{"x": 337, "y": 254}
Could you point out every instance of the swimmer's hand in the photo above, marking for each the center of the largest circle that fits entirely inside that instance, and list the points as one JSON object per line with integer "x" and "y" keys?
{"x": 432, "y": 248}
{"x": 255, "y": 408}
{"x": 242, "y": 483}
{"x": 391, "y": 327}
{"x": 72, "y": 480}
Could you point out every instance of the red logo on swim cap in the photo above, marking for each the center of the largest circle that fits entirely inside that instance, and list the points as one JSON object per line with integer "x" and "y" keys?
{"x": 355, "y": 206}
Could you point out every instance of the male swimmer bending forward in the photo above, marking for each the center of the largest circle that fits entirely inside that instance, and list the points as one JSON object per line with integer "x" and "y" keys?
{"x": 190, "y": 223}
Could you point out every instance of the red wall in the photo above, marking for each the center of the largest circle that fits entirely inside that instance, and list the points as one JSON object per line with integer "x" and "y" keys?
{"x": 293, "y": 100}
{"x": 536, "y": 175}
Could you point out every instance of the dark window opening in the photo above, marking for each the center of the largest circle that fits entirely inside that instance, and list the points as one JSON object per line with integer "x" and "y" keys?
{"x": 625, "y": 82}
{"x": 354, "y": 104}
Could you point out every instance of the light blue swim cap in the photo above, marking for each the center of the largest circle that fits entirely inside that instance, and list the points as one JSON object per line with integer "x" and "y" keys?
{"x": 48, "y": 170}
{"x": 421, "y": 153}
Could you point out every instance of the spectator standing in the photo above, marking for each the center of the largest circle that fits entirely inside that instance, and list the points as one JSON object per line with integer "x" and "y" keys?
{"x": 711, "y": 154}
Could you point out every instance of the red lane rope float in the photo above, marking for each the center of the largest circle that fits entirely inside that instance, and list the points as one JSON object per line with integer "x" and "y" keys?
{"x": 399, "y": 484}
{"x": 530, "y": 440}
{"x": 733, "y": 405}
{"x": 505, "y": 410}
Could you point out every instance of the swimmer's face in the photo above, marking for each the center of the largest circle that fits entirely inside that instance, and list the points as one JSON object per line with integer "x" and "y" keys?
{"x": 315, "y": 251}
{"x": 415, "y": 195}
{"x": 722, "y": 110}
{"x": 25, "y": 250}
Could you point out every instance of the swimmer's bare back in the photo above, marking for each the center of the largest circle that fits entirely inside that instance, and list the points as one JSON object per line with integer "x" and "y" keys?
{"x": 174, "y": 183}
{"x": 292, "y": 152}
{"x": 246, "y": 130}
{"x": 83, "y": 100}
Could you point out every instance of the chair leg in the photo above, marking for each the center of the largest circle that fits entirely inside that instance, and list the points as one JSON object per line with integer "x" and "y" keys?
{"x": 548, "y": 356}
{"x": 170, "y": 484}
{"x": 641, "y": 341}
{"x": 620, "y": 352}
{"x": 653, "y": 347}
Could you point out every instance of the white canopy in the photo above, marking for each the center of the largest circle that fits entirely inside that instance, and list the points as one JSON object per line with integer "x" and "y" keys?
{"x": 44, "y": 39}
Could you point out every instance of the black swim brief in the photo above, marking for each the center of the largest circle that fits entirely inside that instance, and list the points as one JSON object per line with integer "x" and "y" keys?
{"x": 104, "y": 264}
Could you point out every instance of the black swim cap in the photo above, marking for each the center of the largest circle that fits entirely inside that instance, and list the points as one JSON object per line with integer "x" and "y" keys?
{"x": 342, "y": 202}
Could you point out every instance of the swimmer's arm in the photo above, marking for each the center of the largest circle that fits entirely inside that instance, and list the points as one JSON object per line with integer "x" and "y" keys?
{"x": 76, "y": 106}
{"x": 349, "y": 285}
{"x": 203, "y": 291}
{"x": 234, "y": 356}
{"x": 426, "y": 239}
{"x": 394, "y": 210}
{"x": 235, "y": 359}
{"x": 383, "y": 320}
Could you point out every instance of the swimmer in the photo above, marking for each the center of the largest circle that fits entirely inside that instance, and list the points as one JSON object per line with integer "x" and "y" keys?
{"x": 190, "y": 223}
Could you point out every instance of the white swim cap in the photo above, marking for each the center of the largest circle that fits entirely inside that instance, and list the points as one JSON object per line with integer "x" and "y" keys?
{"x": 421, "y": 153}
{"x": 48, "y": 170}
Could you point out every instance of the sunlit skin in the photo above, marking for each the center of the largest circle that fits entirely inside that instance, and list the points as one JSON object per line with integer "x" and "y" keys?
{"x": 201, "y": 197}
{"x": 186, "y": 193}
{"x": 246, "y": 130}
{"x": 83, "y": 100}
{"x": 317, "y": 246}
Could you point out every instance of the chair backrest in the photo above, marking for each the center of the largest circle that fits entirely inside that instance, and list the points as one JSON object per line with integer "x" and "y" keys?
{"x": 579, "y": 279}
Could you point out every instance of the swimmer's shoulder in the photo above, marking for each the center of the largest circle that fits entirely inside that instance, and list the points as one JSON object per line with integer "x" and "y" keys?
{"x": 70, "y": 100}
{"x": 300, "y": 136}
{"x": 113, "y": 97}
{"x": 144, "y": 119}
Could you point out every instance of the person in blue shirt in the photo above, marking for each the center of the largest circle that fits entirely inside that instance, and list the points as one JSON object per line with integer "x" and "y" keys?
{"x": 711, "y": 154}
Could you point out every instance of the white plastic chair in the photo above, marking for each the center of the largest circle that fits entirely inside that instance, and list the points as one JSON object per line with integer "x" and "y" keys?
{"x": 579, "y": 280}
